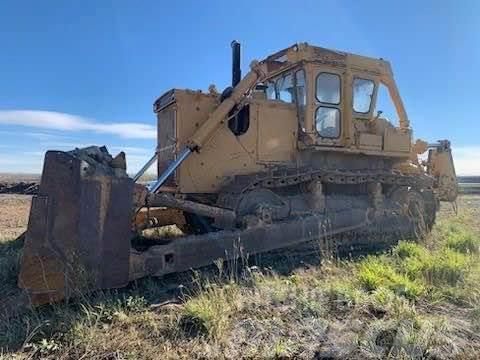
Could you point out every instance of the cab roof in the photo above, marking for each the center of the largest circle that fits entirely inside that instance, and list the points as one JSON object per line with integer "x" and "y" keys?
{"x": 303, "y": 52}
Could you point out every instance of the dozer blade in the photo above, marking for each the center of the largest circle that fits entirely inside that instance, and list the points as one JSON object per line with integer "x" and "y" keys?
{"x": 78, "y": 236}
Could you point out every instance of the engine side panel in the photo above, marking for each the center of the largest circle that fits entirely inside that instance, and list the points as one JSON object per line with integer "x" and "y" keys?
{"x": 277, "y": 131}
{"x": 271, "y": 138}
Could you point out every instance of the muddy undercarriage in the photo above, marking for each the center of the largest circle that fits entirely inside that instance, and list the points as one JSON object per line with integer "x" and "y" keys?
{"x": 84, "y": 247}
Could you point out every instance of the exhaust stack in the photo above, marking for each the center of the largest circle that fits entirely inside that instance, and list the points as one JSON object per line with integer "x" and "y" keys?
{"x": 236, "y": 71}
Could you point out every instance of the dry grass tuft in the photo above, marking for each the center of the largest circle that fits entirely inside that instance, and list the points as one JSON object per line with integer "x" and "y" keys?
{"x": 209, "y": 311}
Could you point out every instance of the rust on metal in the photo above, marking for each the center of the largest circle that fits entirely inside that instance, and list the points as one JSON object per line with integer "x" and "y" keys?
{"x": 168, "y": 200}
{"x": 78, "y": 235}
{"x": 183, "y": 254}
{"x": 158, "y": 217}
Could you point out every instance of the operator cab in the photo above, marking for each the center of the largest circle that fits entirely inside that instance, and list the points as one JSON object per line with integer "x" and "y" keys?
{"x": 335, "y": 95}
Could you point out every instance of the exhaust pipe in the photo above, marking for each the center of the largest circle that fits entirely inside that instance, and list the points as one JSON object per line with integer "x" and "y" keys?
{"x": 236, "y": 71}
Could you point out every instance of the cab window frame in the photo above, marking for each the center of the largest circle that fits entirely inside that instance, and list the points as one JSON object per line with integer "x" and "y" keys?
{"x": 273, "y": 84}
{"x": 329, "y": 105}
{"x": 279, "y": 83}
{"x": 322, "y": 105}
{"x": 301, "y": 104}
{"x": 340, "y": 95}
{"x": 372, "y": 96}
{"x": 304, "y": 101}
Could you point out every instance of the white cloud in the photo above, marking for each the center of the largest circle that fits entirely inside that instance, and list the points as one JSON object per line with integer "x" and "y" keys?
{"x": 64, "y": 145}
{"x": 44, "y": 136}
{"x": 66, "y": 122}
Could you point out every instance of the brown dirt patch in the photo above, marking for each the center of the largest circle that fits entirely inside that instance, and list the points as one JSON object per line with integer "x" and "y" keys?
{"x": 14, "y": 210}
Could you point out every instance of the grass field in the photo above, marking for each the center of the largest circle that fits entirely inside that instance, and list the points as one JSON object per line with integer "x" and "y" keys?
{"x": 418, "y": 300}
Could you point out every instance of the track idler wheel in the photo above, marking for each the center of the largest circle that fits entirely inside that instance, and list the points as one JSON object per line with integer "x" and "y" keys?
{"x": 261, "y": 206}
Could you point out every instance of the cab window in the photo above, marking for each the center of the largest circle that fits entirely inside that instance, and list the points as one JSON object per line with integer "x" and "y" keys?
{"x": 327, "y": 115}
{"x": 285, "y": 89}
{"x": 328, "y": 88}
{"x": 288, "y": 88}
{"x": 327, "y": 122}
{"x": 362, "y": 95}
{"x": 270, "y": 91}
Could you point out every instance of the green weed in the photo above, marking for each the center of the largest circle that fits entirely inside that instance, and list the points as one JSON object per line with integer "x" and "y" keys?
{"x": 284, "y": 349}
{"x": 309, "y": 304}
{"x": 407, "y": 249}
{"x": 443, "y": 267}
{"x": 463, "y": 241}
{"x": 344, "y": 294}
{"x": 375, "y": 272}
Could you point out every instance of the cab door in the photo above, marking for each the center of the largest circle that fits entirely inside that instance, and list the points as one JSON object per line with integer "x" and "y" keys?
{"x": 328, "y": 102}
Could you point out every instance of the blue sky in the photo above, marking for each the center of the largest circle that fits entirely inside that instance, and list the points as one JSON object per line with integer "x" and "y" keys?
{"x": 75, "y": 73}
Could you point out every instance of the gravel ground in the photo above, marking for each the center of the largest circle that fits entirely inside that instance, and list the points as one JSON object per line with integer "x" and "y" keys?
{"x": 14, "y": 210}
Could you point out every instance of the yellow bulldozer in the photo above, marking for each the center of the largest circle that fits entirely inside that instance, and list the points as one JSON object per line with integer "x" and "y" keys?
{"x": 290, "y": 153}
